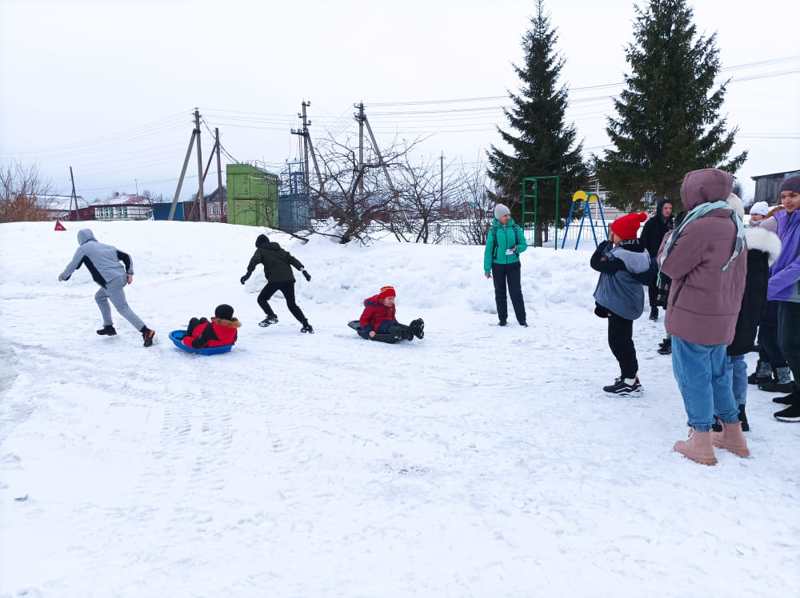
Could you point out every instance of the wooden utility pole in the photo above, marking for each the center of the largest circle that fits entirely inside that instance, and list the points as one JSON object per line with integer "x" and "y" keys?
{"x": 201, "y": 199}
{"x": 183, "y": 174}
{"x": 305, "y": 145}
{"x": 73, "y": 197}
{"x": 219, "y": 165}
{"x": 360, "y": 118}
{"x": 378, "y": 152}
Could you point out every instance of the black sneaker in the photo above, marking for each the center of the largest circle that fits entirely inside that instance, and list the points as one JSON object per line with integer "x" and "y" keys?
{"x": 654, "y": 314}
{"x": 268, "y": 321}
{"x": 790, "y": 414}
{"x": 743, "y": 419}
{"x": 624, "y": 387}
{"x": 523, "y": 324}
{"x": 791, "y": 399}
{"x": 148, "y": 336}
{"x": 307, "y": 328}
{"x": 417, "y": 328}
{"x": 777, "y": 387}
{"x": 107, "y": 331}
{"x": 762, "y": 375}
{"x": 502, "y": 323}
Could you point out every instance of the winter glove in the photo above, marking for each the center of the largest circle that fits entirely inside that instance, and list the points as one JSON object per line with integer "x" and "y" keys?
{"x": 307, "y": 275}
{"x": 244, "y": 278}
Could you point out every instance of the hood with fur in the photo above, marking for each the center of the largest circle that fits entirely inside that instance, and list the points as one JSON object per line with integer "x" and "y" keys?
{"x": 762, "y": 239}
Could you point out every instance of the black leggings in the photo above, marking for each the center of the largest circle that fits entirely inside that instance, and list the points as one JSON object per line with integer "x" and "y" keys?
{"x": 789, "y": 337}
{"x": 620, "y": 340}
{"x": 769, "y": 349}
{"x": 287, "y": 288}
{"x": 508, "y": 274}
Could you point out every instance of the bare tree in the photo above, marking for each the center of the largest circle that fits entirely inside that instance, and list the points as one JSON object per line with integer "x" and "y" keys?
{"x": 356, "y": 196}
{"x": 22, "y": 193}
{"x": 475, "y": 207}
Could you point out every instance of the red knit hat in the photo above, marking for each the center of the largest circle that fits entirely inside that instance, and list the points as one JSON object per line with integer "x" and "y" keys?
{"x": 387, "y": 291}
{"x": 628, "y": 225}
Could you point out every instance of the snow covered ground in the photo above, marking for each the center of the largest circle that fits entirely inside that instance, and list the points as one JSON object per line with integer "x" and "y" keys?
{"x": 480, "y": 461}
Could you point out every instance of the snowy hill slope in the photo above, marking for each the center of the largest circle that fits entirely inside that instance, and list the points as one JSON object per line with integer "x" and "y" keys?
{"x": 478, "y": 462}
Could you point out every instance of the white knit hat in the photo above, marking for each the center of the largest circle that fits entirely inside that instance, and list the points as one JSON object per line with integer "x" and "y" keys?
{"x": 760, "y": 208}
{"x": 500, "y": 210}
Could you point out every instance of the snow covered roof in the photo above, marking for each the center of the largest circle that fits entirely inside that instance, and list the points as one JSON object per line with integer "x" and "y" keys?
{"x": 58, "y": 202}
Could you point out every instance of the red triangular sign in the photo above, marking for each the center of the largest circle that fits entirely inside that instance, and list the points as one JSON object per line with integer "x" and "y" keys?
{"x": 59, "y": 226}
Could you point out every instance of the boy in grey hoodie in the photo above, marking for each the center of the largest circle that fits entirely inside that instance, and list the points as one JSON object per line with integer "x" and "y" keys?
{"x": 103, "y": 263}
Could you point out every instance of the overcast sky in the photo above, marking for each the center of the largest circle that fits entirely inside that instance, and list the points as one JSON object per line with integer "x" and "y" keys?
{"x": 108, "y": 85}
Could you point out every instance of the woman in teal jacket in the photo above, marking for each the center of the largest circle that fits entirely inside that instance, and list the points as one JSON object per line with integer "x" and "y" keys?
{"x": 504, "y": 243}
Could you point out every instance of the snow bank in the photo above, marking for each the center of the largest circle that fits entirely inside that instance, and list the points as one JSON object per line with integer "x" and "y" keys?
{"x": 479, "y": 462}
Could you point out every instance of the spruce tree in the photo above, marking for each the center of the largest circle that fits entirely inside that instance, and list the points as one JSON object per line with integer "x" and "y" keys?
{"x": 543, "y": 144}
{"x": 668, "y": 118}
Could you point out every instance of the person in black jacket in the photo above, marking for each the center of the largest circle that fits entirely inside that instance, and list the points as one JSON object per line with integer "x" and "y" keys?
{"x": 653, "y": 233}
{"x": 278, "y": 264}
{"x": 763, "y": 248}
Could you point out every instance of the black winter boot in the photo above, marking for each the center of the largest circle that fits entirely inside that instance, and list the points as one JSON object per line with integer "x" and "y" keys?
{"x": 107, "y": 331}
{"x": 654, "y": 314}
{"x": 762, "y": 375}
{"x": 665, "y": 347}
{"x": 148, "y": 336}
{"x": 743, "y": 419}
{"x": 417, "y": 328}
{"x": 307, "y": 328}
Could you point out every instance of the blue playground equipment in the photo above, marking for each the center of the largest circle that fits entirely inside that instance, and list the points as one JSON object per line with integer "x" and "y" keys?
{"x": 582, "y": 199}
{"x": 176, "y": 336}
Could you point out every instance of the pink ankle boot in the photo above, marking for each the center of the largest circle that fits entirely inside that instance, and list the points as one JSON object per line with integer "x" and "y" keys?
{"x": 698, "y": 447}
{"x": 732, "y": 439}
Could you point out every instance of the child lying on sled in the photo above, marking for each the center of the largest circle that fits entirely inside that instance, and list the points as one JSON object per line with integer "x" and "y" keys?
{"x": 378, "y": 319}
{"x": 220, "y": 331}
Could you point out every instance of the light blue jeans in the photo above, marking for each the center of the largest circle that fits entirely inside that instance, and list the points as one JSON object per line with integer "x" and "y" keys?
{"x": 738, "y": 367}
{"x": 705, "y": 382}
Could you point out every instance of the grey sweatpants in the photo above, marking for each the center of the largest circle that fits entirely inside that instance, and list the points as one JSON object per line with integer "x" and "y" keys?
{"x": 115, "y": 292}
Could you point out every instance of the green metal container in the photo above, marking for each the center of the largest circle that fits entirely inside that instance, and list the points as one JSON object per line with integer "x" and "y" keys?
{"x": 252, "y": 196}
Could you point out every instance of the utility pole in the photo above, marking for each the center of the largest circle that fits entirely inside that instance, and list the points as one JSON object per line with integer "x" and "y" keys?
{"x": 219, "y": 164}
{"x": 378, "y": 152}
{"x": 360, "y": 118}
{"x": 201, "y": 199}
{"x": 73, "y": 197}
{"x": 305, "y": 145}
{"x": 183, "y": 174}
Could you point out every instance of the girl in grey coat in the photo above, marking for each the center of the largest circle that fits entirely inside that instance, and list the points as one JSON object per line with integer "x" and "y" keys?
{"x": 105, "y": 264}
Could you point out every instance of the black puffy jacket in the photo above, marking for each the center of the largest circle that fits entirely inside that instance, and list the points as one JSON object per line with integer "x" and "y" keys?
{"x": 655, "y": 229}
{"x": 763, "y": 248}
{"x": 277, "y": 262}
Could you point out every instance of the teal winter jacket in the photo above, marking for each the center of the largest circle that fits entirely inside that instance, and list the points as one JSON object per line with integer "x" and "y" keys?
{"x": 499, "y": 240}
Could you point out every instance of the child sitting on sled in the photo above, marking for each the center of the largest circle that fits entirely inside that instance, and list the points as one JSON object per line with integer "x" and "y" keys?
{"x": 220, "y": 331}
{"x": 378, "y": 319}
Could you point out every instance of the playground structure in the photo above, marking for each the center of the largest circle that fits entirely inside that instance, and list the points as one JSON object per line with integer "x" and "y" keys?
{"x": 529, "y": 197}
{"x": 581, "y": 199}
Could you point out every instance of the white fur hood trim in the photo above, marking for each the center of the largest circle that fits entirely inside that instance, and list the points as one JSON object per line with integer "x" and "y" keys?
{"x": 763, "y": 240}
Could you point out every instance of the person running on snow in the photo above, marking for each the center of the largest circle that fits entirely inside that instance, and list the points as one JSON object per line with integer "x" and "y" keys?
{"x": 624, "y": 267}
{"x": 378, "y": 317}
{"x": 504, "y": 243}
{"x": 653, "y": 233}
{"x": 219, "y": 332}
{"x": 103, "y": 263}
{"x": 278, "y": 265}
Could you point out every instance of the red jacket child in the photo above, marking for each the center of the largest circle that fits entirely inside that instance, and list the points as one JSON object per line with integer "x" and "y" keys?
{"x": 378, "y": 310}
{"x": 220, "y": 331}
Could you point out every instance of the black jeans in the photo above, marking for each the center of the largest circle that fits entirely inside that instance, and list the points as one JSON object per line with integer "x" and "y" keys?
{"x": 508, "y": 274}
{"x": 652, "y": 293}
{"x": 769, "y": 350}
{"x": 789, "y": 337}
{"x": 287, "y": 288}
{"x": 620, "y": 341}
